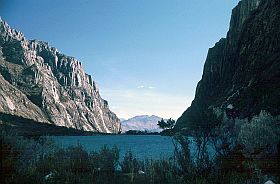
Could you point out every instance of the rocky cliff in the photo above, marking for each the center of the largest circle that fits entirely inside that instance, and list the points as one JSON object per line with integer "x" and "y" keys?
{"x": 241, "y": 74}
{"x": 39, "y": 83}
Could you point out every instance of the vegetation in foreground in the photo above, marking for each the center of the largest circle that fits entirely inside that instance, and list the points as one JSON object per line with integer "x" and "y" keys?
{"x": 39, "y": 161}
{"x": 248, "y": 155}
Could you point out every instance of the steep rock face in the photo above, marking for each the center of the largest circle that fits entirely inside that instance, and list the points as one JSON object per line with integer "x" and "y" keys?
{"x": 14, "y": 102}
{"x": 54, "y": 83}
{"x": 242, "y": 71}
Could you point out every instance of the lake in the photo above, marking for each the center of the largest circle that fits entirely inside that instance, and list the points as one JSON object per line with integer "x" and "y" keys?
{"x": 143, "y": 146}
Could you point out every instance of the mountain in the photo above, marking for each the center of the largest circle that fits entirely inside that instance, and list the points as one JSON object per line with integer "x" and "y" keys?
{"x": 39, "y": 83}
{"x": 122, "y": 119}
{"x": 242, "y": 71}
{"x": 142, "y": 123}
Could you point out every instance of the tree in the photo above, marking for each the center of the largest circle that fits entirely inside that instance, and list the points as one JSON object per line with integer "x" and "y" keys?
{"x": 169, "y": 124}
{"x": 162, "y": 124}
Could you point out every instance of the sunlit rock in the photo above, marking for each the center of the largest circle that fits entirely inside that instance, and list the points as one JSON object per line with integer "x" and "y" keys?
{"x": 54, "y": 85}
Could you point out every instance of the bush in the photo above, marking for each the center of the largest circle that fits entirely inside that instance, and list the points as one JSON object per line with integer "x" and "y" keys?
{"x": 182, "y": 153}
{"x": 32, "y": 160}
{"x": 130, "y": 164}
{"x": 106, "y": 159}
{"x": 161, "y": 171}
{"x": 260, "y": 135}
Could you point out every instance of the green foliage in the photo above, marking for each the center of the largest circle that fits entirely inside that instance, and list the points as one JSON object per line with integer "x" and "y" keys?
{"x": 32, "y": 160}
{"x": 182, "y": 153}
{"x": 161, "y": 171}
{"x": 162, "y": 124}
{"x": 130, "y": 164}
{"x": 261, "y": 134}
{"x": 106, "y": 159}
{"x": 168, "y": 124}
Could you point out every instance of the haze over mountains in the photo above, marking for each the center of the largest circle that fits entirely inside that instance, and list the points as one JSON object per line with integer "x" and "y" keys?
{"x": 142, "y": 123}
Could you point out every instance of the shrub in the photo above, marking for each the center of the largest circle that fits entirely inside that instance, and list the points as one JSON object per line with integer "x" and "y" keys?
{"x": 106, "y": 159}
{"x": 161, "y": 171}
{"x": 130, "y": 164}
{"x": 182, "y": 153}
{"x": 260, "y": 134}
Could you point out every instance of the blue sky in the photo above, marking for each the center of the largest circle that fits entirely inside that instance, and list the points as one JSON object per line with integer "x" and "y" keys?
{"x": 146, "y": 56}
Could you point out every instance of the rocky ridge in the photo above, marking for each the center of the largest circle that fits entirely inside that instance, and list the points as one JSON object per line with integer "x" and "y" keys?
{"x": 40, "y": 83}
{"x": 241, "y": 74}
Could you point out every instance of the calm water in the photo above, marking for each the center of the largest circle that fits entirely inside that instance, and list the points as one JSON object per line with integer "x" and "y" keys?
{"x": 142, "y": 146}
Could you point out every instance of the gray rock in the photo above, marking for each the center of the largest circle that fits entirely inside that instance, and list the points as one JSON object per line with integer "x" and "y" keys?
{"x": 269, "y": 182}
{"x": 55, "y": 85}
{"x": 14, "y": 102}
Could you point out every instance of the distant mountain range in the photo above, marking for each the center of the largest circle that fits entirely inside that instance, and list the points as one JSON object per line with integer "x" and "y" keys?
{"x": 142, "y": 123}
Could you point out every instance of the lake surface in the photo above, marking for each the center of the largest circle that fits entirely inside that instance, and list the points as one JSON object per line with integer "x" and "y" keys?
{"x": 143, "y": 146}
